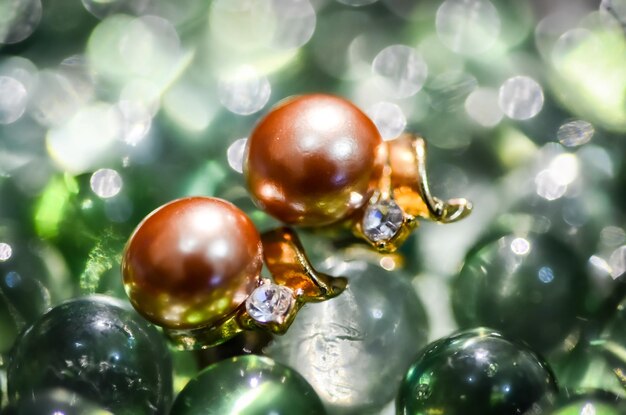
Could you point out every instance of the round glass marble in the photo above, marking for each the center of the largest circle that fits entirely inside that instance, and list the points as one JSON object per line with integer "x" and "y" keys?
{"x": 343, "y": 346}
{"x": 611, "y": 343}
{"x": 590, "y": 402}
{"x": 248, "y": 385}
{"x": 475, "y": 372}
{"x": 587, "y": 368}
{"x": 29, "y": 285}
{"x": 536, "y": 274}
{"x": 99, "y": 348}
{"x": 55, "y": 402}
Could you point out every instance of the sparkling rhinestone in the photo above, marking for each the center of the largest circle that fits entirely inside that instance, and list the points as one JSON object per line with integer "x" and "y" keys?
{"x": 270, "y": 303}
{"x": 382, "y": 220}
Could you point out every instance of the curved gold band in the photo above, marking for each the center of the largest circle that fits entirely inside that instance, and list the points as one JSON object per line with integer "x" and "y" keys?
{"x": 286, "y": 261}
{"x": 405, "y": 181}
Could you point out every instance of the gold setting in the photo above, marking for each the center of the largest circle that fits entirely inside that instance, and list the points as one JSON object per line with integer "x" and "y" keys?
{"x": 405, "y": 181}
{"x": 287, "y": 263}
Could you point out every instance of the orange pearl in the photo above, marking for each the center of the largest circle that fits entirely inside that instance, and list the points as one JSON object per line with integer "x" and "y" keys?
{"x": 313, "y": 160}
{"x": 191, "y": 262}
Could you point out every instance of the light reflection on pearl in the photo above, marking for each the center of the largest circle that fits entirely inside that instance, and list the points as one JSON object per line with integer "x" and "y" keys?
{"x": 13, "y": 100}
{"x": 342, "y": 149}
{"x": 520, "y": 98}
{"x": 356, "y": 199}
{"x": 245, "y": 92}
{"x": 389, "y": 119}
{"x": 235, "y": 153}
{"x": 400, "y": 71}
{"x": 468, "y": 26}
{"x": 106, "y": 183}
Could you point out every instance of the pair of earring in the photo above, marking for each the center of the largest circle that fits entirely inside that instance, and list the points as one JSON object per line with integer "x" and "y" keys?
{"x": 193, "y": 265}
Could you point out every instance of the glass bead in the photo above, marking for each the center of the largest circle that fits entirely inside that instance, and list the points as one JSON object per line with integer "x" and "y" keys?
{"x": 33, "y": 277}
{"x": 475, "y": 372}
{"x": 589, "y": 402}
{"x": 248, "y": 385}
{"x": 97, "y": 347}
{"x": 342, "y": 347}
{"x": 55, "y": 402}
{"x": 612, "y": 342}
{"x": 534, "y": 274}
{"x": 586, "y": 368}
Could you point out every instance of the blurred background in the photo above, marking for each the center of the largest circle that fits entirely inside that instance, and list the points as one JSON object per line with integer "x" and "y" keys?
{"x": 110, "y": 108}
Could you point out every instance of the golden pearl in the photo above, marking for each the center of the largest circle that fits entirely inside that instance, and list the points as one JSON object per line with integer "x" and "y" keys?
{"x": 191, "y": 262}
{"x": 313, "y": 160}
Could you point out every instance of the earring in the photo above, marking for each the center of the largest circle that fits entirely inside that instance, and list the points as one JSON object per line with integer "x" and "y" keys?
{"x": 193, "y": 267}
{"x": 317, "y": 160}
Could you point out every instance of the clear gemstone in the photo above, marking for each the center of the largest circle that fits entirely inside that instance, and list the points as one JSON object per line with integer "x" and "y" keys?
{"x": 382, "y": 220}
{"x": 270, "y": 303}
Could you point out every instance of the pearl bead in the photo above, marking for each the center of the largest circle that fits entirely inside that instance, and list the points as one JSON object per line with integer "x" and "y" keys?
{"x": 191, "y": 262}
{"x": 313, "y": 160}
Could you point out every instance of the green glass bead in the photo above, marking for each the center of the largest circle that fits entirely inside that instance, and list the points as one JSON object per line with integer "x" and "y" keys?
{"x": 585, "y": 368}
{"x": 97, "y": 347}
{"x": 55, "y": 402}
{"x": 248, "y": 385}
{"x": 585, "y": 407}
{"x": 591, "y": 402}
{"x": 612, "y": 344}
{"x": 342, "y": 347}
{"x": 33, "y": 277}
{"x": 530, "y": 287}
{"x": 89, "y": 231}
{"x": 474, "y": 372}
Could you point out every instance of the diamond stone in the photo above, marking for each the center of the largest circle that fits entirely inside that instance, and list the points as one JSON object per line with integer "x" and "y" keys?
{"x": 382, "y": 220}
{"x": 270, "y": 303}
